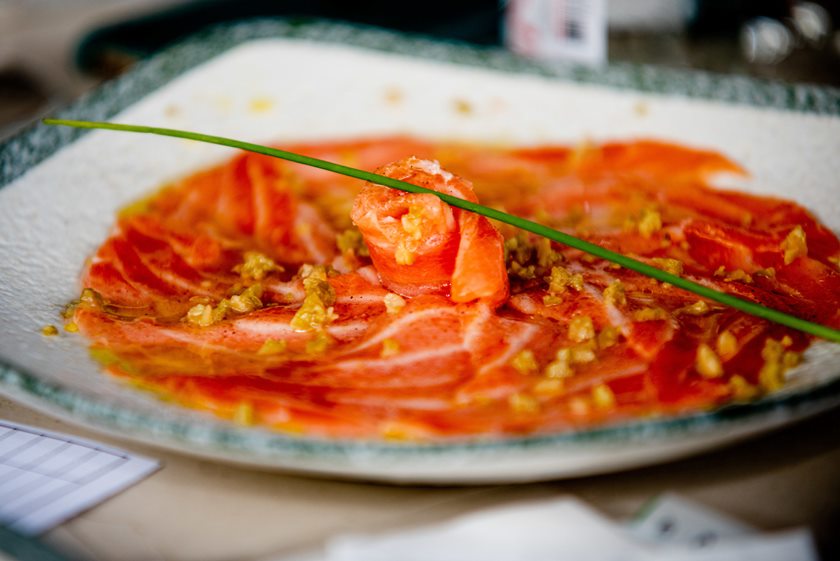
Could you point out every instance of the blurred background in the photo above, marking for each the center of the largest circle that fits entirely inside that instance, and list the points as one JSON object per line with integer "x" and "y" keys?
{"x": 52, "y": 51}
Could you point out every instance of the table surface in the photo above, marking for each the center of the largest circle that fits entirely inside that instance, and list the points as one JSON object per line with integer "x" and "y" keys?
{"x": 194, "y": 509}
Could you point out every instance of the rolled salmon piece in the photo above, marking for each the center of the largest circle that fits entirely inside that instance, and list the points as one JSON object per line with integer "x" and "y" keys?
{"x": 421, "y": 245}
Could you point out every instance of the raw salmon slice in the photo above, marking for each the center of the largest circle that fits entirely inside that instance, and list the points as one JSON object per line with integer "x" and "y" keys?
{"x": 245, "y": 290}
{"x": 420, "y": 245}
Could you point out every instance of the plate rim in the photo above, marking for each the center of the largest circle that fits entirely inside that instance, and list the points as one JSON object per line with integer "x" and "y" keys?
{"x": 33, "y": 145}
{"x": 36, "y": 142}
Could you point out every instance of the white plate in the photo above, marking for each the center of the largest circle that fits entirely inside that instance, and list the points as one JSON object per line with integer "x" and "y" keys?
{"x": 277, "y": 82}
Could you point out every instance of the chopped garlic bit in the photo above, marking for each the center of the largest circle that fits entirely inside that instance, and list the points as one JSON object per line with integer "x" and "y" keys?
{"x": 246, "y": 301}
{"x": 608, "y": 337}
{"x": 771, "y": 375}
{"x": 91, "y": 297}
{"x": 581, "y": 329}
{"x": 736, "y": 275}
{"x": 401, "y": 431}
{"x": 776, "y": 361}
{"x": 518, "y": 249}
{"x": 521, "y": 403}
{"x": 351, "y": 240}
{"x": 201, "y": 315}
{"x": 581, "y": 354}
{"x": 321, "y": 272}
{"x": 650, "y": 222}
{"x": 256, "y": 265}
{"x": 673, "y": 266}
{"x": 244, "y": 414}
{"x": 71, "y": 327}
{"x": 524, "y": 362}
{"x": 412, "y": 221}
{"x": 204, "y": 314}
{"x": 791, "y": 359}
{"x": 260, "y": 104}
{"x": 560, "y": 367}
{"x": 614, "y": 294}
{"x": 316, "y": 311}
{"x": 699, "y": 308}
{"x": 390, "y": 347}
{"x": 393, "y": 95}
{"x": 524, "y": 272}
{"x": 603, "y": 397}
{"x": 313, "y": 315}
{"x": 727, "y": 344}
{"x": 462, "y": 106}
{"x": 549, "y": 387}
{"x": 650, "y": 314}
{"x": 403, "y": 255}
{"x": 552, "y": 300}
{"x": 412, "y": 225}
{"x": 741, "y": 389}
{"x": 561, "y": 279}
{"x": 739, "y": 275}
{"x": 49, "y": 331}
{"x": 273, "y": 347}
{"x": 794, "y": 245}
{"x": 528, "y": 260}
{"x": 546, "y": 256}
{"x": 393, "y": 303}
{"x": 707, "y": 362}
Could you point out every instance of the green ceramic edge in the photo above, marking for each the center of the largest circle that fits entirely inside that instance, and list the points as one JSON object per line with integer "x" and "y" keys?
{"x": 38, "y": 142}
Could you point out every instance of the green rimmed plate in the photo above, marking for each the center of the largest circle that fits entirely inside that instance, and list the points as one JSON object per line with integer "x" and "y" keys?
{"x": 274, "y": 81}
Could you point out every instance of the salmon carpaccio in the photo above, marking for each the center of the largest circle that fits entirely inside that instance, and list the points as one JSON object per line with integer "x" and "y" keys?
{"x": 274, "y": 294}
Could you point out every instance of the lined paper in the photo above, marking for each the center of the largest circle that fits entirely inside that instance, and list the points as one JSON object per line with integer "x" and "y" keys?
{"x": 47, "y": 477}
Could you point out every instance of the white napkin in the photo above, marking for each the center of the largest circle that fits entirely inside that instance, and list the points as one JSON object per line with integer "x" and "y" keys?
{"x": 555, "y": 530}
{"x": 545, "y": 531}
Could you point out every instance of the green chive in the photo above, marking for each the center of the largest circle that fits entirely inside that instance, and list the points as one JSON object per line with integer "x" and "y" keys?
{"x": 752, "y": 308}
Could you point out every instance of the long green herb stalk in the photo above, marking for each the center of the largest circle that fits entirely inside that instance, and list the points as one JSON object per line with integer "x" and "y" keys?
{"x": 753, "y": 308}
